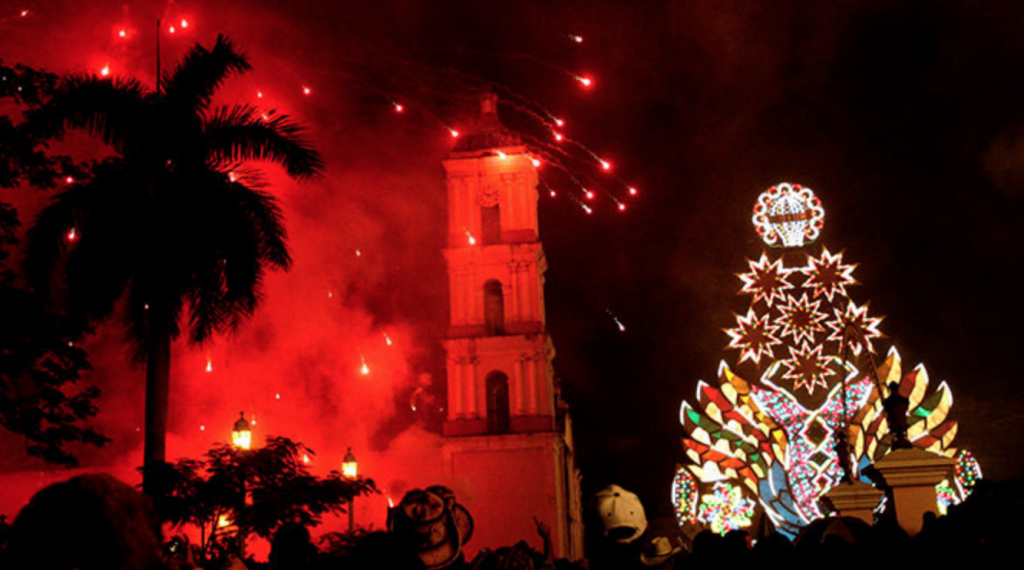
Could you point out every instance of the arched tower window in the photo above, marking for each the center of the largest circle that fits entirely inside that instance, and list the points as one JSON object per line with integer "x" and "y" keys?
{"x": 490, "y": 224}
{"x": 497, "y": 402}
{"x": 494, "y": 308}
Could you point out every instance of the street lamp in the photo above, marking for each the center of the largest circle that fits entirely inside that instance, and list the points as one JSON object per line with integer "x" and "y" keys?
{"x": 350, "y": 470}
{"x": 241, "y": 438}
{"x": 241, "y": 435}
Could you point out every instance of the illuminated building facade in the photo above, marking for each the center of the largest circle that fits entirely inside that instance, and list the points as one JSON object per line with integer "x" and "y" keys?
{"x": 508, "y": 447}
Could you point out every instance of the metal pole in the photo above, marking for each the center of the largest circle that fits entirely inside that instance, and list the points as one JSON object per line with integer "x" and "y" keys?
{"x": 352, "y": 514}
{"x": 241, "y": 530}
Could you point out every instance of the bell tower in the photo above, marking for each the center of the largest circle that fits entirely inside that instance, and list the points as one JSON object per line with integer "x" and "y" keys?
{"x": 508, "y": 438}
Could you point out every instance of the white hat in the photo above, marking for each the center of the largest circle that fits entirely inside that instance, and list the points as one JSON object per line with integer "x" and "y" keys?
{"x": 621, "y": 513}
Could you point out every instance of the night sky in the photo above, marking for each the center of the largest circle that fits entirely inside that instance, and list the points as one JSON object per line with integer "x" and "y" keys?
{"x": 906, "y": 118}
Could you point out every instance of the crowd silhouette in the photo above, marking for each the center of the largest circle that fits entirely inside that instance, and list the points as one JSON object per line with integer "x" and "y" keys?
{"x": 95, "y": 522}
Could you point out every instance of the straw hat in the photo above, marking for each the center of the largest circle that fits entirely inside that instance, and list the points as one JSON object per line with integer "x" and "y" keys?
{"x": 657, "y": 550}
{"x": 436, "y": 531}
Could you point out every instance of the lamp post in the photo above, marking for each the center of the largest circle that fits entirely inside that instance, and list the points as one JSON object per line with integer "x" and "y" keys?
{"x": 350, "y": 470}
{"x": 241, "y": 438}
{"x": 241, "y": 435}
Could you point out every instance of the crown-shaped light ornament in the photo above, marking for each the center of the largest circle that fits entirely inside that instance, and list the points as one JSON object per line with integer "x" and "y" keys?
{"x": 788, "y": 215}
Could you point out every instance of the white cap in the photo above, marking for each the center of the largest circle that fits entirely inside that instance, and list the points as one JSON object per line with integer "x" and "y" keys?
{"x": 621, "y": 513}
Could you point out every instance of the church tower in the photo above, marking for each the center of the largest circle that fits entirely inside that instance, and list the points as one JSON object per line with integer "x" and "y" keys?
{"x": 508, "y": 438}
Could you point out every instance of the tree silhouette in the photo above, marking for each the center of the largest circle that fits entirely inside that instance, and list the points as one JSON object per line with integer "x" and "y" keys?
{"x": 175, "y": 224}
{"x": 257, "y": 490}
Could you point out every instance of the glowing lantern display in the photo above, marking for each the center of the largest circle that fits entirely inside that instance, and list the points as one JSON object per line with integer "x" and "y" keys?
{"x": 806, "y": 374}
{"x": 241, "y": 435}
{"x": 788, "y": 215}
{"x": 349, "y": 467}
{"x": 684, "y": 496}
{"x": 725, "y": 509}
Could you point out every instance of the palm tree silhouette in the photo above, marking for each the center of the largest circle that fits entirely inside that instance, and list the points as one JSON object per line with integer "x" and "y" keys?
{"x": 175, "y": 224}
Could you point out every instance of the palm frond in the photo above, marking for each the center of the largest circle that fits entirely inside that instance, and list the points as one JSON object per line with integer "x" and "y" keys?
{"x": 208, "y": 310}
{"x": 264, "y": 216}
{"x": 106, "y": 108}
{"x": 240, "y": 133}
{"x": 201, "y": 72}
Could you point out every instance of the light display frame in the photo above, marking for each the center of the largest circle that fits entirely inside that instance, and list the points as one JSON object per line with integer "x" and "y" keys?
{"x": 812, "y": 352}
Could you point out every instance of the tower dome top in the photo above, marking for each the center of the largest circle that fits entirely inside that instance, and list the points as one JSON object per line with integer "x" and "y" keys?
{"x": 489, "y": 132}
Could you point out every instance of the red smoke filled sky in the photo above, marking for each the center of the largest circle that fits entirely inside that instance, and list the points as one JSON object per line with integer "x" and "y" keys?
{"x": 366, "y": 242}
{"x": 884, "y": 110}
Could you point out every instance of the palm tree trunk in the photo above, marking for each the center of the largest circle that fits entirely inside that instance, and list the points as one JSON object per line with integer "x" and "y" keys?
{"x": 158, "y": 374}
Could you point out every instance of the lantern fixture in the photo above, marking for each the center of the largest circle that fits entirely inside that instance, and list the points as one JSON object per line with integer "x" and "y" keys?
{"x": 241, "y": 435}
{"x": 349, "y": 468}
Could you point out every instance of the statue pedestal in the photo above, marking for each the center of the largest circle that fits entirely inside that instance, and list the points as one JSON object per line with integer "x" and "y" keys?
{"x": 912, "y": 475}
{"x": 856, "y": 499}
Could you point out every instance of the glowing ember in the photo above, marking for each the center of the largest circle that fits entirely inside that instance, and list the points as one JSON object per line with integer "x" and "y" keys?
{"x": 632, "y": 191}
{"x": 364, "y": 369}
{"x": 398, "y": 106}
{"x": 306, "y": 90}
{"x": 202, "y": 428}
{"x": 453, "y": 132}
{"x": 589, "y": 194}
{"x": 560, "y": 122}
{"x": 24, "y": 13}
{"x": 536, "y": 162}
{"x": 69, "y": 180}
{"x": 622, "y": 207}
{"x": 277, "y": 396}
{"x": 72, "y": 234}
{"x": 470, "y": 238}
{"x": 501, "y": 155}
{"x": 387, "y": 339}
{"x": 259, "y": 94}
{"x": 232, "y": 177}
{"x": 122, "y": 33}
{"x": 606, "y": 165}
{"x": 209, "y": 364}
{"x": 359, "y": 253}
{"x": 305, "y": 458}
{"x": 184, "y": 24}
{"x": 105, "y": 71}
{"x": 171, "y": 29}
{"x": 559, "y": 137}
{"x": 223, "y": 521}
{"x": 587, "y": 209}
{"x": 584, "y": 81}
{"x": 576, "y": 38}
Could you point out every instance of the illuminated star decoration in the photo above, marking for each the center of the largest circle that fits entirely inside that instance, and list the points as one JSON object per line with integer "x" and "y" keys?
{"x": 753, "y": 336}
{"x": 828, "y": 276}
{"x": 766, "y": 280}
{"x": 855, "y": 328}
{"x": 800, "y": 319}
{"x": 788, "y": 215}
{"x": 807, "y": 368}
{"x": 684, "y": 495}
{"x": 725, "y": 509}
